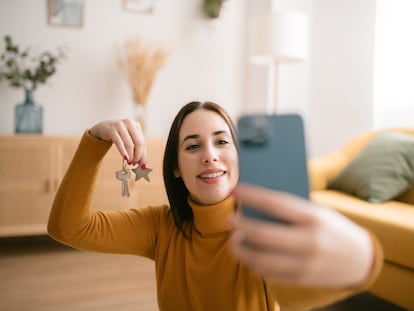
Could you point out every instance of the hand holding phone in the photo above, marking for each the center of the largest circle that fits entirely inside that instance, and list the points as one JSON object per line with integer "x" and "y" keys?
{"x": 272, "y": 154}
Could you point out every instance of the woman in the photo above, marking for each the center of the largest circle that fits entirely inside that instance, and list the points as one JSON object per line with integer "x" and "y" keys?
{"x": 198, "y": 243}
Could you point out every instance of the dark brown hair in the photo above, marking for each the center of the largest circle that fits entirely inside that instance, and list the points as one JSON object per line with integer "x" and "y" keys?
{"x": 176, "y": 190}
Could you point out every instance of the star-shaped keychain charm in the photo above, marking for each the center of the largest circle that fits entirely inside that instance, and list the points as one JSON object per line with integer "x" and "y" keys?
{"x": 142, "y": 172}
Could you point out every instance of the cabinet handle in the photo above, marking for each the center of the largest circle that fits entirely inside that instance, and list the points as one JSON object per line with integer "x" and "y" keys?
{"x": 52, "y": 185}
{"x": 49, "y": 186}
{"x": 56, "y": 185}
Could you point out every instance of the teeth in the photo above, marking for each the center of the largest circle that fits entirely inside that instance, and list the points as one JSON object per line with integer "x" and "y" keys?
{"x": 212, "y": 175}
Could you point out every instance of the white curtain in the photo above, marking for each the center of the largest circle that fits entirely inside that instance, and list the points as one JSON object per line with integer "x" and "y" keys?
{"x": 394, "y": 64}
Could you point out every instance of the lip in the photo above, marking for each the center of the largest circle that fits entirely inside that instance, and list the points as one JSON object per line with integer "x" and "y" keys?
{"x": 211, "y": 176}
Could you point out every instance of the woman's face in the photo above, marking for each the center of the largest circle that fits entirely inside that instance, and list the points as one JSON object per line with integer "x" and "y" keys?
{"x": 207, "y": 157}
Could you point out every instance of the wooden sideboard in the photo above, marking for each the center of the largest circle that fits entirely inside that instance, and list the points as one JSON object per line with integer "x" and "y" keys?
{"x": 32, "y": 166}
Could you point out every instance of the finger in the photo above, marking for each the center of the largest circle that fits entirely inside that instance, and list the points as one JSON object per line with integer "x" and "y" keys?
{"x": 122, "y": 139}
{"x": 276, "y": 266}
{"x": 117, "y": 140}
{"x": 287, "y": 207}
{"x": 273, "y": 237}
{"x": 299, "y": 240}
{"x": 140, "y": 150}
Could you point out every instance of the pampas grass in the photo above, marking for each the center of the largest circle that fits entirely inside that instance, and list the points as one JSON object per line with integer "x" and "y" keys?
{"x": 142, "y": 62}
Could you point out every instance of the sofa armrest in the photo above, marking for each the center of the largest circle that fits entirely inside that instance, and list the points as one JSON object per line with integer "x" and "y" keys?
{"x": 325, "y": 168}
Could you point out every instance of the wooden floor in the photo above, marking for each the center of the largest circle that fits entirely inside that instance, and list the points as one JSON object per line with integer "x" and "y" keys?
{"x": 38, "y": 274}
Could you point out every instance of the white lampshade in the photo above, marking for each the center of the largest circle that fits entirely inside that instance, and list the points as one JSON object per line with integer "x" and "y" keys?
{"x": 279, "y": 36}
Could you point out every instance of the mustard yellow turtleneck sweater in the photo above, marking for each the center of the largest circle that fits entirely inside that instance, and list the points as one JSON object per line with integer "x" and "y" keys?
{"x": 195, "y": 274}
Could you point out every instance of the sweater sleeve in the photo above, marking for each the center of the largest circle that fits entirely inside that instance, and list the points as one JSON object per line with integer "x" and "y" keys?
{"x": 307, "y": 298}
{"x": 74, "y": 222}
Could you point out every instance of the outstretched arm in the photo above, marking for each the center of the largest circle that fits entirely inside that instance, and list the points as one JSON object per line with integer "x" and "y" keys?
{"x": 318, "y": 257}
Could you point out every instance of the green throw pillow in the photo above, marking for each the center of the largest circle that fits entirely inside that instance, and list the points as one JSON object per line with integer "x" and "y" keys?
{"x": 383, "y": 170}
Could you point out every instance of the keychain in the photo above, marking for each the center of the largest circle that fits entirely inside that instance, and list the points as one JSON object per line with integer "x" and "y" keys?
{"x": 125, "y": 174}
{"x": 142, "y": 172}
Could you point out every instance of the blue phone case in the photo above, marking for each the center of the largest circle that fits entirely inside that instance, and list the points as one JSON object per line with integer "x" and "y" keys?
{"x": 272, "y": 154}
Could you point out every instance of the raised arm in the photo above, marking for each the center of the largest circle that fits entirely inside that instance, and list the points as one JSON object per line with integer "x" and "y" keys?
{"x": 73, "y": 221}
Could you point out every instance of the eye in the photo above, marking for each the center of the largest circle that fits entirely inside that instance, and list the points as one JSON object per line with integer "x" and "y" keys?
{"x": 223, "y": 142}
{"x": 192, "y": 147}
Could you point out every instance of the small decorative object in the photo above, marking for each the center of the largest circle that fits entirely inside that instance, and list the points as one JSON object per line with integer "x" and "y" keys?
{"x": 142, "y": 172}
{"x": 66, "y": 13}
{"x": 124, "y": 174}
{"x": 28, "y": 116}
{"x": 23, "y": 70}
{"x": 212, "y": 8}
{"x": 139, "y": 6}
{"x": 142, "y": 62}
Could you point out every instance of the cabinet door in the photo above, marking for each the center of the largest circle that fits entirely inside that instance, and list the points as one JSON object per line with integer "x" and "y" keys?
{"x": 65, "y": 149}
{"x": 32, "y": 167}
{"x": 152, "y": 193}
{"x": 26, "y": 185}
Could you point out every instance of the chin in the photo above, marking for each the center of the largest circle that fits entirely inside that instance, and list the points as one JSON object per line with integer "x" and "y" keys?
{"x": 209, "y": 199}
{"x": 218, "y": 198}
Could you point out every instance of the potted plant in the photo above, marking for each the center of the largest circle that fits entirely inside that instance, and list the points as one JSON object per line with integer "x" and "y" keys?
{"x": 212, "y": 8}
{"x": 142, "y": 61}
{"x": 26, "y": 70}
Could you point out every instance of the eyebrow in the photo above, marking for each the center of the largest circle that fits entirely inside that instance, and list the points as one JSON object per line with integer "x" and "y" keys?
{"x": 195, "y": 136}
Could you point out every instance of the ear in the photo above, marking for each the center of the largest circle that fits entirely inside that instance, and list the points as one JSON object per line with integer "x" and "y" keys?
{"x": 177, "y": 173}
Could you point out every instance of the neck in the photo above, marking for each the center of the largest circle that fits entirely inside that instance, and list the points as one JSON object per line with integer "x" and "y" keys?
{"x": 213, "y": 218}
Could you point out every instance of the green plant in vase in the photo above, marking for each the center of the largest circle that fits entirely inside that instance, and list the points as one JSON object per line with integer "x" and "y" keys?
{"x": 26, "y": 70}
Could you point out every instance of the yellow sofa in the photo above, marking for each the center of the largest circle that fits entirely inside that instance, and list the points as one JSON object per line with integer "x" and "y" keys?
{"x": 392, "y": 221}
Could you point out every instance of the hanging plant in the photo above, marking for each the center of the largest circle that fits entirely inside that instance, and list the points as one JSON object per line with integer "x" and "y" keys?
{"x": 212, "y": 8}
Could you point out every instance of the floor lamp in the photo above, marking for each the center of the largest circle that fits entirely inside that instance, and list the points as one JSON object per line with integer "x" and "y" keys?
{"x": 277, "y": 37}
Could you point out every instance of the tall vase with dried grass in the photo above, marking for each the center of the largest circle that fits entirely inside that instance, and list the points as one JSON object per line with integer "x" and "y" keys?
{"x": 142, "y": 61}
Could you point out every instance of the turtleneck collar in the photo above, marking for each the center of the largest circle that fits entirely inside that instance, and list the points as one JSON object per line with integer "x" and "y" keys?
{"x": 214, "y": 218}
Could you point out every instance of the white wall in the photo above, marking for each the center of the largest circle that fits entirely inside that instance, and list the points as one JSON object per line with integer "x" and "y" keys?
{"x": 332, "y": 89}
{"x": 293, "y": 88}
{"x": 204, "y": 63}
{"x": 341, "y": 78}
{"x": 394, "y": 64}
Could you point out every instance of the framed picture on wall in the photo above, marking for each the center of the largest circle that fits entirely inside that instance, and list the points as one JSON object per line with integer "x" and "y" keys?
{"x": 139, "y": 6}
{"x": 65, "y": 13}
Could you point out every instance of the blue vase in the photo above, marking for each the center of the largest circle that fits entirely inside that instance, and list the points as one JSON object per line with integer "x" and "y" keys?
{"x": 28, "y": 117}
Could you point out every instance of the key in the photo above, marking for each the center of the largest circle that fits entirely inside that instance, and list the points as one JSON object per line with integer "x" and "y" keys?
{"x": 123, "y": 175}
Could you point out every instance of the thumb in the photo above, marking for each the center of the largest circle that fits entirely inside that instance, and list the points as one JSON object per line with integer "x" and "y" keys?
{"x": 276, "y": 204}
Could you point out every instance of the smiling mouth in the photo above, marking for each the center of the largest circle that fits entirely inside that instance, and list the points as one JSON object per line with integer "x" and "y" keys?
{"x": 212, "y": 175}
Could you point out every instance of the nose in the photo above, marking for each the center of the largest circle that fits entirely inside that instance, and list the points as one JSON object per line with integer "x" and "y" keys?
{"x": 210, "y": 155}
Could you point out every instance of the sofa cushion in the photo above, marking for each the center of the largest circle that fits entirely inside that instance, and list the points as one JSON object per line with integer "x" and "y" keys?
{"x": 382, "y": 170}
{"x": 391, "y": 222}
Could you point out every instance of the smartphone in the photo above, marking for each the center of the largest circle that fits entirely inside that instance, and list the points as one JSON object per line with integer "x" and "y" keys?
{"x": 272, "y": 154}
